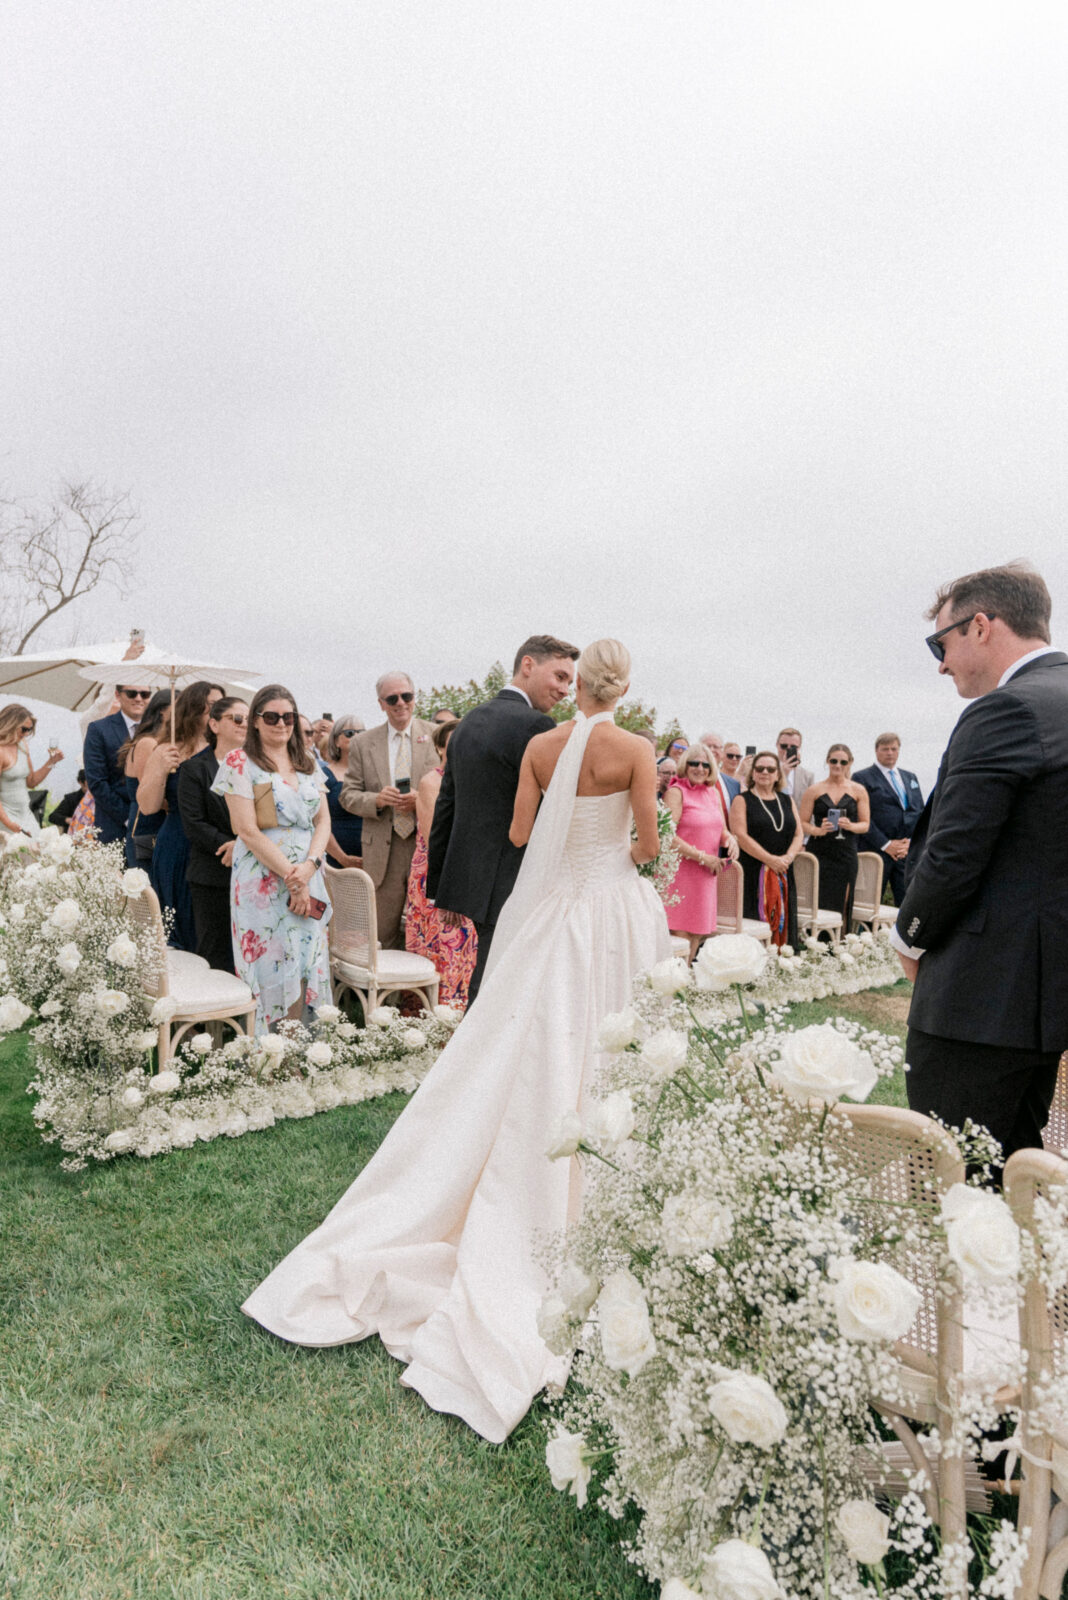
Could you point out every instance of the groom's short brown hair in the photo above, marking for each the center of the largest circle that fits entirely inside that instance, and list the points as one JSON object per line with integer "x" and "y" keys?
{"x": 541, "y": 646}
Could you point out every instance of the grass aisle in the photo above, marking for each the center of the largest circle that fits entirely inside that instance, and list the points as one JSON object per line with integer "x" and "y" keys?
{"x": 156, "y": 1443}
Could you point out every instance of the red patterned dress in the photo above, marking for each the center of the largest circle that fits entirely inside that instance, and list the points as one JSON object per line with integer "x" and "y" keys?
{"x": 453, "y": 951}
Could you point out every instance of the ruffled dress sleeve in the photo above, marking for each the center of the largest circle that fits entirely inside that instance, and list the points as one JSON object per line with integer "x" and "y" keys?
{"x": 235, "y": 775}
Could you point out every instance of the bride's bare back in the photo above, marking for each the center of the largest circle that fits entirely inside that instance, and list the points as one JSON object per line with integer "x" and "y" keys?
{"x": 614, "y": 761}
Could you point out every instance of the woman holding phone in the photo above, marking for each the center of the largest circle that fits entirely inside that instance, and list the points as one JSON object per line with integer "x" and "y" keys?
{"x": 276, "y": 795}
{"x": 833, "y": 812}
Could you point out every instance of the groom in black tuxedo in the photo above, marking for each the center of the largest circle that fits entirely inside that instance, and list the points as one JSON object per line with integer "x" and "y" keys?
{"x": 983, "y": 927}
{"x": 471, "y": 865}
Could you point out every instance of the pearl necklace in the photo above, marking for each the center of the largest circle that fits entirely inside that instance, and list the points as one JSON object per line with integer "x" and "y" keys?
{"x": 767, "y": 811}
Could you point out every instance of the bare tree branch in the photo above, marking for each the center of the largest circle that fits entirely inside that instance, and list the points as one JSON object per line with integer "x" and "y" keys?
{"x": 57, "y": 552}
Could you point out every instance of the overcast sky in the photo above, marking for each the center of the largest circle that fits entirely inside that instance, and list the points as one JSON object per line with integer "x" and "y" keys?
{"x": 730, "y": 330}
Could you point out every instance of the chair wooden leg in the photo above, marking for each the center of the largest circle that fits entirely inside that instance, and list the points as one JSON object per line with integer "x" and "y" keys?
{"x": 1053, "y": 1573}
{"x": 163, "y": 1047}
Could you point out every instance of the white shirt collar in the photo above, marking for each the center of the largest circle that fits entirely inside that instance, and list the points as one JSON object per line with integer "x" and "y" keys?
{"x": 515, "y": 689}
{"x": 1032, "y": 655}
{"x": 130, "y": 722}
{"x": 397, "y": 734}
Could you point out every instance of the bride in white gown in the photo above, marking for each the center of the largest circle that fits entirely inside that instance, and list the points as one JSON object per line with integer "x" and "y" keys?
{"x": 433, "y": 1247}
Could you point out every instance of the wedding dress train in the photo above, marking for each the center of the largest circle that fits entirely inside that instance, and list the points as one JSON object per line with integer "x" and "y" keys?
{"x": 434, "y": 1247}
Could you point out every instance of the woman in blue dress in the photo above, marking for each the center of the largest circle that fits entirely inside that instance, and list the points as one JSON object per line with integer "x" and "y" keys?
{"x": 346, "y": 831}
{"x": 276, "y": 793}
{"x": 159, "y": 787}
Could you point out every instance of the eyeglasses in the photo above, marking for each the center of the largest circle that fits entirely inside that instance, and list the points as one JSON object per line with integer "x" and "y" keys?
{"x": 273, "y": 718}
{"x": 700, "y": 766}
{"x": 934, "y": 640}
{"x": 766, "y": 771}
{"x": 838, "y": 761}
{"x": 238, "y": 722}
{"x": 391, "y": 699}
{"x": 137, "y": 694}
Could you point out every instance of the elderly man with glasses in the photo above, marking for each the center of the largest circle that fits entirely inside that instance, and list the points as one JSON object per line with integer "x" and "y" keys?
{"x": 385, "y": 766}
{"x": 104, "y": 774}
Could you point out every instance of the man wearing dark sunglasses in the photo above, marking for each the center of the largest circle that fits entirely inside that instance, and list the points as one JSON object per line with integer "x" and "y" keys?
{"x": 983, "y": 927}
{"x": 386, "y": 765}
{"x": 104, "y": 775}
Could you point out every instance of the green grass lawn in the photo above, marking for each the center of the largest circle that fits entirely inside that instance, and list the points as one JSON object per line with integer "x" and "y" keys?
{"x": 155, "y": 1443}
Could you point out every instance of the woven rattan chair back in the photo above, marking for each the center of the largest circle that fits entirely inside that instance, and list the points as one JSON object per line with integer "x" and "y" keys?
{"x": 1055, "y": 1133}
{"x": 729, "y": 898}
{"x": 353, "y": 929}
{"x": 807, "y": 889}
{"x": 868, "y": 893}
{"x": 144, "y": 913}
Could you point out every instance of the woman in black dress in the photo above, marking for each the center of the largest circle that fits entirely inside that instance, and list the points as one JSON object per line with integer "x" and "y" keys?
{"x": 764, "y": 820}
{"x": 832, "y": 839}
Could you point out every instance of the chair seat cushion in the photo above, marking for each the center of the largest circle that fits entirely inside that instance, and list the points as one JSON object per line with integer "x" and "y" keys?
{"x": 185, "y": 961}
{"x": 394, "y": 966}
{"x": 208, "y": 989}
{"x": 757, "y": 930}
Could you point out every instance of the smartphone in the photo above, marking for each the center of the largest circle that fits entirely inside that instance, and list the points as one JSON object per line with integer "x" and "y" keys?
{"x": 750, "y": 749}
{"x": 403, "y": 786}
{"x": 315, "y": 908}
{"x": 834, "y": 816}
{"x": 137, "y": 635}
{"x": 790, "y": 752}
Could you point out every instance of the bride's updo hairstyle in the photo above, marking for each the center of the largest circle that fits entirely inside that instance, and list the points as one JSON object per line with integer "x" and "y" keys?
{"x": 604, "y": 667}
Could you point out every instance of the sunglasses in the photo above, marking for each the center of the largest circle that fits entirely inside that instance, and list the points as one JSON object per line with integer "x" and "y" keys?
{"x": 238, "y": 722}
{"x": 28, "y": 727}
{"x": 732, "y": 755}
{"x": 391, "y": 699}
{"x": 701, "y": 766}
{"x": 770, "y": 771}
{"x": 136, "y": 694}
{"x": 347, "y": 733}
{"x": 838, "y": 761}
{"x": 934, "y": 640}
{"x": 273, "y": 718}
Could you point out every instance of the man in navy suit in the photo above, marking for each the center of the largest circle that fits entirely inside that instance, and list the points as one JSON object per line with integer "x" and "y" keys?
{"x": 103, "y": 772}
{"x": 896, "y": 802}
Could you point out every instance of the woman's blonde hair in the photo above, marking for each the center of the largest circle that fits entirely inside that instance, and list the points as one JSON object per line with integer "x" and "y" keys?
{"x": 697, "y": 752}
{"x": 11, "y": 720}
{"x": 604, "y": 667}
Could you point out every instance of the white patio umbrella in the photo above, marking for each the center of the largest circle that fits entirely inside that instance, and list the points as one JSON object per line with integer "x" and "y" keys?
{"x": 57, "y": 676}
{"x": 171, "y": 672}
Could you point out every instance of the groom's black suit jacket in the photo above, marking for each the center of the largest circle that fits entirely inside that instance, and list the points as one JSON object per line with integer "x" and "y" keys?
{"x": 987, "y": 895}
{"x": 471, "y": 866}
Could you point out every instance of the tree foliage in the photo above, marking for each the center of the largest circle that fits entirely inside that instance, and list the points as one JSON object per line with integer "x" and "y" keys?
{"x": 58, "y": 549}
{"x": 461, "y": 698}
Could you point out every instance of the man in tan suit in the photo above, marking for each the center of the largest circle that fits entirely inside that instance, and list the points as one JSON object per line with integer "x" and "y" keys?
{"x": 385, "y": 766}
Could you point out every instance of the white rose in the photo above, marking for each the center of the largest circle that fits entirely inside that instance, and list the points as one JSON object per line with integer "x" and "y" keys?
{"x": 874, "y": 1302}
{"x": 627, "y": 1341}
{"x": 738, "y": 1571}
{"x": 577, "y": 1289}
{"x": 692, "y": 1224}
{"x": 610, "y": 1121}
{"x": 51, "y": 1008}
{"x": 728, "y": 959}
{"x": 748, "y": 1410}
{"x": 552, "y": 1324}
{"x": 16, "y": 913}
{"x": 60, "y": 850}
{"x": 670, "y": 976}
{"x": 119, "y": 1141}
{"x": 183, "y": 1133}
{"x": 13, "y": 1013}
{"x": 110, "y": 1002}
{"x": 163, "y": 1010}
{"x": 414, "y": 1039}
{"x": 449, "y": 1015}
{"x": 566, "y": 1136}
{"x": 16, "y": 842}
{"x": 619, "y": 1029}
{"x": 147, "y": 1040}
{"x": 122, "y": 951}
{"x": 66, "y": 915}
{"x": 132, "y": 1098}
{"x": 347, "y": 1031}
{"x": 821, "y": 1061}
{"x": 329, "y": 1013}
{"x": 568, "y": 1468}
{"x": 675, "y": 1589}
{"x": 382, "y": 1016}
{"x": 664, "y": 1053}
{"x": 865, "y": 1529}
{"x": 134, "y": 883}
{"x": 846, "y": 959}
{"x": 272, "y": 1044}
{"x": 68, "y": 959}
{"x": 202, "y": 1044}
{"x": 318, "y": 1054}
{"x": 981, "y": 1236}
{"x": 164, "y": 1083}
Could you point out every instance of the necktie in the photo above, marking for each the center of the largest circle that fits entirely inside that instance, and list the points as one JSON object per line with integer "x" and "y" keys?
{"x": 403, "y": 821}
{"x": 895, "y": 779}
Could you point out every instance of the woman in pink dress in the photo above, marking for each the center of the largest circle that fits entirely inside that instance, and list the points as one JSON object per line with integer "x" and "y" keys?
{"x": 444, "y": 937}
{"x": 693, "y": 798}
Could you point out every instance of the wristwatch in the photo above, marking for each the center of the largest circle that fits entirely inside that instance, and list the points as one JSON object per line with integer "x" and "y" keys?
{"x": 316, "y": 861}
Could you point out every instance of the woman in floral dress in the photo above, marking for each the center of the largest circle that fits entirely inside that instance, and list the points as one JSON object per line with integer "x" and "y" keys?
{"x": 275, "y": 792}
{"x": 444, "y": 937}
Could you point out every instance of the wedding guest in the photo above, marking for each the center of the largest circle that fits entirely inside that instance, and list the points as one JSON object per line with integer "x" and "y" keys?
{"x": 386, "y": 766}
{"x": 446, "y": 938}
{"x": 18, "y": 775}
{"x": 103, "y": 770}
{"x": 896, "y": 801}
{"x": 797, "y": 777}
{"x": 345, "y": 848}
{"x": 765, "y": 822}
{"x": 444, "y": 714}
{"x": 62, "y": 813}
{"x": 153, "y": 728}
{"x": 833, "y": 813}
{"x": 308, "y": 732}
{"x": 666, "y": 769}
{"x": 697, "y": 810}
{"x": 732, "y": 755}
{"x": 677, "y": 746}
{"x": 279, "y": 906}
{"x": 158, "y": 788}
{"x": 206, "y": 820}
{"x": 728, "y": 788}
{"x": 107, "y": 701}
{"x": 321, "y": 733}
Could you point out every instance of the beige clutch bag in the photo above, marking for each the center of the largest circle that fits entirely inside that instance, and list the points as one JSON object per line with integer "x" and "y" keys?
{"x": 266, "y": 810}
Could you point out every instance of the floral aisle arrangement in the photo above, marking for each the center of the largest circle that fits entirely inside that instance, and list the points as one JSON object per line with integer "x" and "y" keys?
{"x": 818, "y": 971}
{"x": 730, "y": 1307}
{"x": 72, "y": 964}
